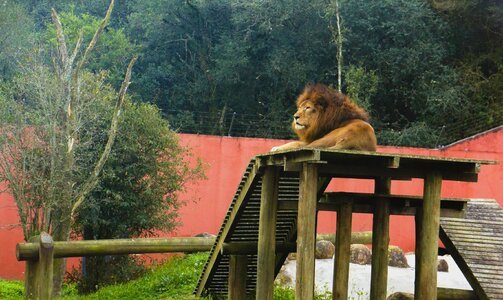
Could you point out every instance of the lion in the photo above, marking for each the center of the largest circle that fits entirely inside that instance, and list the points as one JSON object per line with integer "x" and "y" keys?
{"x": 328, "y": 119}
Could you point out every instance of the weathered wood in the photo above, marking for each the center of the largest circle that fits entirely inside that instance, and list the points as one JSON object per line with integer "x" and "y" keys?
{"x": 342, "y": 251}
{"x": 30, "y": 251}
{"x": 39, "y": 273}
{"x": 45, "y": 266}
{"x": 267, "y": 236}
{"x": 399, "y": 204}
{"x": 362, "y": 237}
{"x": 30, "y": 275}
{"x": 425, "y": 286}
{"x": 380, "y": 241}
{"x": 238, "y": 269}
{"x": 306, "y": 231}
{"x": 443, "y": 294}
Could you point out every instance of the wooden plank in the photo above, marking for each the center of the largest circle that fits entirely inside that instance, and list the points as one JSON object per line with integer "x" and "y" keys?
{"x": 306, "y": 231}
{"x": 238, "y": 269}
{"x": 380, "y": 241}
{"x": 427, "y": 244}
{"x": 342, "y": 251}
{"x": 267, "y": 234}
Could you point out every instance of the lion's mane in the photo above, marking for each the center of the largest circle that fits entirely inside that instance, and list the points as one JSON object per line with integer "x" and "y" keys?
{"x": 337, "y": 108}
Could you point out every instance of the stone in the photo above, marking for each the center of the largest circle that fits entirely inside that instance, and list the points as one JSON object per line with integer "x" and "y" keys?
{"x": 360, "y": 254}
{"x": 283, "y": 278}
{"x": 443, "y": 266}
{"x": 324, "y": 249}
{"x": 396, "y": 257}
{"x": 206, "y": 235}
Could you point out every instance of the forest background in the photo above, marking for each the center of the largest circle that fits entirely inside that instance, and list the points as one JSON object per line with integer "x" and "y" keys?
{"x": 429, "y": 72}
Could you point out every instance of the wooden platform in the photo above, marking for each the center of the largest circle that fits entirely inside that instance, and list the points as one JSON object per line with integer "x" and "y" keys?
{"x": 476, "y": 244}
{"x": 294, "y": 182}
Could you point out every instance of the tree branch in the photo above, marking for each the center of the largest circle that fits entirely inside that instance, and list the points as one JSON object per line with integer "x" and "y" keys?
{"x": 93, "y": 178}
{"x": 63, "y": 52}
{"x": 95, "y": 37}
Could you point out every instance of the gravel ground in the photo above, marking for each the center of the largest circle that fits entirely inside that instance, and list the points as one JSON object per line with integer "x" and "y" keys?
{"x": 399, "y": 279}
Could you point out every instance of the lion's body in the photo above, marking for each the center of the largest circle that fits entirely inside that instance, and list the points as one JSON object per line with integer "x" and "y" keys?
{"x": 326, "y": 118}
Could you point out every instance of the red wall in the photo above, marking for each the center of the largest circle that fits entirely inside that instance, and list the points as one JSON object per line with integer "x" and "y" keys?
{"x": 226, "y": 158}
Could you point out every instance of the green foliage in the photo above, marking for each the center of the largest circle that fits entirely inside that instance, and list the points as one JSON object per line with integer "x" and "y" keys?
{"x": 16, "y": 36}
{"x": 113, "y": 51}
{"x": 176, "y": 279}
{"x": 11, "y": 290}
{"x": 137, "y": 194}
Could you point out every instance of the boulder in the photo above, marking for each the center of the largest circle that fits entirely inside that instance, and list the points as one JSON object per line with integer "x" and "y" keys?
{"x": 283, "y": 278}
{"x": 206, "y": 235}
{"x": 442, "y": 265}
{"x": 396, "y": 257}
{"x": 324, "y": 249}
{"x": 360, "y": 254}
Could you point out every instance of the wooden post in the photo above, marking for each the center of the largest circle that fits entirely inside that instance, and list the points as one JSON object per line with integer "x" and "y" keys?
{"x": 39, "y": 275}
{"x": 342, "y": 251}
{"x": 306, "y": 232}
{"x": 427, "y": 243}
{"x": 238, "y": 269}
{"x": 266, "y": 252}
{"x": 380, "y": 242}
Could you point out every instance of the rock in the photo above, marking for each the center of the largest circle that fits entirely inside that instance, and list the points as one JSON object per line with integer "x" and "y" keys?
{"x": 283, "y": 278}
{"x": 324, "y": 249}
{"x": 442, "y": 265}
{"x": 360, "y": 254}
{"x": 206, "y": 235}
{"x": 292, "y": 256}
{"x": 396, "y": 257}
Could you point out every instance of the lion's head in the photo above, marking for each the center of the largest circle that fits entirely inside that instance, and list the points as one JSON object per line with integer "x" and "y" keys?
{"x": 321, "y": 109}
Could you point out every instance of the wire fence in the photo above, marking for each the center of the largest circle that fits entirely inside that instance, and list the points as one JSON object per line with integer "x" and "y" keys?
{"x": 228, "y": 123}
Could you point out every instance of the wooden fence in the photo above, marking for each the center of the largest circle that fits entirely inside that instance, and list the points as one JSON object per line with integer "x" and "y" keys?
{"x": 41, "y": 250}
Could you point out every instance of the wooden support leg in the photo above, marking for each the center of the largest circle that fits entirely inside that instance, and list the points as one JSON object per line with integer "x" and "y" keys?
{"x": 238, "y": 269}
{"x": 39, "y": 274}
{"x": 342, "y": 251}
{"x": 427, "y": 242}
{"x": 380, "y": 242}
{"x": 306, "y": 232}
{"x": 266, "y": 252}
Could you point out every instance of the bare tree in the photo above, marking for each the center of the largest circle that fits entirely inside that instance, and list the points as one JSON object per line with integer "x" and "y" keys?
{"x": 38, "y": 154}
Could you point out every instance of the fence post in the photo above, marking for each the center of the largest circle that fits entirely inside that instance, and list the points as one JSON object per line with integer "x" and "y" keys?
{"x": 39, "y": 273}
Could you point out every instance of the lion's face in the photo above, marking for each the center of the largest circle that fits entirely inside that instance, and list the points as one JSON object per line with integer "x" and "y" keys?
{"x": 306, "y": 117}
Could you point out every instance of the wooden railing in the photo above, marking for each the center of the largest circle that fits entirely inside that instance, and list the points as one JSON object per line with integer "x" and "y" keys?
{"x": 40, "y": 252}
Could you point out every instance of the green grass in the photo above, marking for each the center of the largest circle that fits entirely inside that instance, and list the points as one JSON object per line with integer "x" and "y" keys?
{"x": 11, "y": 290}
{"x": 173, "y": 280}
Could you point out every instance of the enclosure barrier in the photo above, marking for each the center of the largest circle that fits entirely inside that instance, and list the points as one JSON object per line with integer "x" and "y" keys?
{"x": 40, "y": 252}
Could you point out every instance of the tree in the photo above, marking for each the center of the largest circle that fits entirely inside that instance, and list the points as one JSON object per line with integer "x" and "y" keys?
{"x": 16, "y": 36}
{"x": 137, "y": 194}
{"x": 39, "y": 152}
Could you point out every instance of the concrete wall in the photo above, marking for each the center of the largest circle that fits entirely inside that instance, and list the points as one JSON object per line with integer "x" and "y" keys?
{"x": 226, "y": 158}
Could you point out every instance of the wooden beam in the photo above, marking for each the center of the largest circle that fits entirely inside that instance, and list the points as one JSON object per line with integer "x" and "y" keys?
{"x": 425, "y": 285}
{"x": 380, "y": 241}
{"x": 306, "y": 232}
{"x": 399, "y": 204}
{"x": 342, "y": 251}
{"x": 266, "y": 253}
{"x": 30, "y": 251}
{"x": 238, "y": 270}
